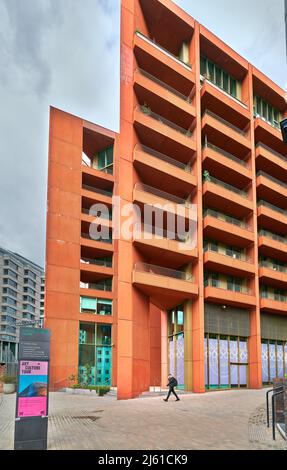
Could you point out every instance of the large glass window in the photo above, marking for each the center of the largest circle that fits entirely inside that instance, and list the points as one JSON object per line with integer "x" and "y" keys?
{"x": 96, "y": 306}
{"x": 95, "y": 354}
{"x": 266, "y": 111}
{"x": 104, "y": 160}
{"x": 219, "y": 77}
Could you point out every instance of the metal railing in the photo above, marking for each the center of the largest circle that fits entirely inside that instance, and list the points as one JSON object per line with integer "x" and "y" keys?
{"x": 273, "y": 236}
{"x": 276, "y": 297}
{"x": 145, "y": 110}
{"x": 97, "y": 190}
{"x": 235, "y": 256}
{"x": 157, "y": 192}
{"x": 273, "y": 266}
{"x": 226, "y": 123}
{"x": 225, "y": 154}
{"x": 275, "y": 393}
{"x": 164, "y": 158}
{"x": 95, "y": 214}
{"x": 271, "y": 178}
{"x": 159, "y": 232}
{"x": 160, "y": 271}
{"x": 97, "y": 286}
{"x": 227, "y": 186}
{"x": 164, "y": 85}
{"x": 226, "y": 286}
{"x": 97, "y": 262}
{"x": 276, "y": 154}
{"x": 271, "y": 206}
{"x": 88, "y": 237}
{"x": 227, "y": 218}
{"x": 204, "y": 78}
{"x": 162, "y": 49}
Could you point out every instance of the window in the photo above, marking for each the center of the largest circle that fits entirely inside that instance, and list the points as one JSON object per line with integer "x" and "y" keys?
{"x": 30, "y": 291}
{"x": 7, "y": 290}
{"x": 219, "y": 77}
{"x": 27, "y": 272}
{"x": 8, "y": 300}
{"x": 266, "y": 112}
{"x": 30, "y": 282}
{"x": 96, "y": 306}
{"x": 10, "y": 263}
{"x": 104, "y": 160}
{"x": 8, "y": 272}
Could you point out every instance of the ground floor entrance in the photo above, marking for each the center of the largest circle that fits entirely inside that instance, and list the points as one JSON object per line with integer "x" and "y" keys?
{"x": 274, "y": 360}
{"x": 176, "y": 344}
{"x": 226, "y": 362}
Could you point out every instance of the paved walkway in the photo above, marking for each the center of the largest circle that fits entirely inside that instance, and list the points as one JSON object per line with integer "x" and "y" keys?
{"x": 217, "y": 420}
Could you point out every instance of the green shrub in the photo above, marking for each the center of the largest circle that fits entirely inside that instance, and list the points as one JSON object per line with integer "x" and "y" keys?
{"x": 102, "y": 390}
{"x": 8, "y": 379}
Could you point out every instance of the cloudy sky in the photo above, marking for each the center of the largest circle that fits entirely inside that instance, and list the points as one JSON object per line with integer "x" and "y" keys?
{"x": 65, "y": 53}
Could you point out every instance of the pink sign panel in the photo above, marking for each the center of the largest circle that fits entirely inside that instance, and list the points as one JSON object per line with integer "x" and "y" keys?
{"x": 32, "y": 389}
{"x": 33, "y": 368}
{"x": 32, "y": 406}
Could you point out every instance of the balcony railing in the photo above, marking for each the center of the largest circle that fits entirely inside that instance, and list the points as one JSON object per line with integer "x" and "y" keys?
{"x": 235, "y": 256}
{"x": 225, "y": 154}
{"x": 227, "y": 186}
{"x": 103, "y": 240}
{"x": 145, "y": 110}
{"x": 164, "y": 85}
{"x": 226, "y": 123}
{"x": 157, "y": 192}
{"x": 107, "y": 169}
{"x": 97, "y": 262}
{"x": 276, "y": 297}
{"x": 227, "y": 218}
{"x": 271, "y": 178}
{"x": 204, "y": 78}
{"x": 164, "y": 158}
{"x": 161, "y": 233}
{"x": 160, "y": 271}
{"x": 227, "y": 287}
{"x": 271, "y": 206}
{"x": 94, "y": 214}
{"x": 276, "y": 154}
{"x": 98, "y": 190}
{"x": 162, "y": 49}
{"x": 273, "y": 266}
{"x": 96, "y": 285}
{"x": 273, "y": 236}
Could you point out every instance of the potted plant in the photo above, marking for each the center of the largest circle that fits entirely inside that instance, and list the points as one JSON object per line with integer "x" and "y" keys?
{"x": 9, "y": 382}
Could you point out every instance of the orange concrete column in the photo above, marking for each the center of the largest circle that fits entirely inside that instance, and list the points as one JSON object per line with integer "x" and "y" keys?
{"x": 198, "y": 384}
{"x": 164, "y": 349}
{"x": 155, "y": 345}
{"x": 62, "y": 301}
{"x": 255, "y": 359}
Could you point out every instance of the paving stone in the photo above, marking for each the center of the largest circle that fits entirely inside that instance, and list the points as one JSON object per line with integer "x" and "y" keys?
{"x": 216, "y": 420}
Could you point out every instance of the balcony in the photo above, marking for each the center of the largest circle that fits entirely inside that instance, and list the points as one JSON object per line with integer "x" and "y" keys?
{"x": 166, "y": 287}
{"x": 97, "y": 194}
{"x": 159, "y": 244}
{"x": 213, "y": 97}
{"x": 163, "y": 171}
{"x": 228, "y": 230}
{"x": 271, "y": 217}
{"x": 102, "y": 246}
{"x": 236, "y": 295}
{"x": 234, "y": 265}
{"x": 273, "y": 303}
{"x": 166, "y": 100}
{"x": 157, "y": 132}
{"x": 217, "y": 161}
{"x": 226, "y": 198}
{"x": 95, "y": 267}
{"x": 169, "y": 68}
{"x": 273, "y": 274}
{"x": 165, "y": 202}
{"x": 225, "y": 135}
{"x": 272, "y": 245}
{"x": 89, "y": 170}
{"x": 269, "y": 135}
{"x": 270, "y": 161}
{"x": 271, "y": 188}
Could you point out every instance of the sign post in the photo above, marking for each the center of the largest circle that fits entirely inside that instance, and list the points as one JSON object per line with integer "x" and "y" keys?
{"x": 31, "y": 421}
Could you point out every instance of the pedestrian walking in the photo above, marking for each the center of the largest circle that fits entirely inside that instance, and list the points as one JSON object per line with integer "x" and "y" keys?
{"x": 172, "y": 382}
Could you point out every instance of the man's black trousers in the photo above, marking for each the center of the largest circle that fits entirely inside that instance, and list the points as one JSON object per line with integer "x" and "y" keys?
{"x": 171, "y": 390}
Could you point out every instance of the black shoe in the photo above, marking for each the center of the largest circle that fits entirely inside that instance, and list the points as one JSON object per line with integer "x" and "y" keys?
{"x": 165, "y": 399}
{"x": 177, "y": 399}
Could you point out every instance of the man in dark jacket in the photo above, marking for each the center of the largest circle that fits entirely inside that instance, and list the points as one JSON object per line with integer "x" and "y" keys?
{"x": 172, "y": 382}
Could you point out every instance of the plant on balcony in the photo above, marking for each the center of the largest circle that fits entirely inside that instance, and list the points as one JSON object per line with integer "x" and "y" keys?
{"x": 206, "y": 176}
{"x": 146, "y": 109}
{"x": 188, "y": 133}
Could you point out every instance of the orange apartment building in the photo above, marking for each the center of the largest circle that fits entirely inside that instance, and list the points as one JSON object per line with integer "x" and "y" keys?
{"x": 198, "y": 124}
